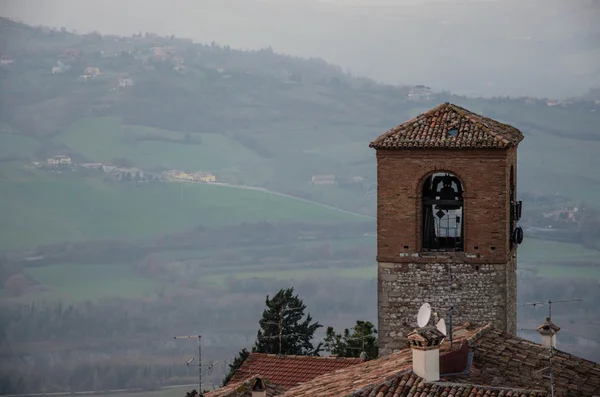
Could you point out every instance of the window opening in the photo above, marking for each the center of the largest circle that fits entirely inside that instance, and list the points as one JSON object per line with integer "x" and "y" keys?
{"x": 442, "y": 213}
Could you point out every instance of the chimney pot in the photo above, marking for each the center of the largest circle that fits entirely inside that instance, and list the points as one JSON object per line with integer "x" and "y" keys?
{"x": 425, "y": 344}
{"x": 548, "y": 330}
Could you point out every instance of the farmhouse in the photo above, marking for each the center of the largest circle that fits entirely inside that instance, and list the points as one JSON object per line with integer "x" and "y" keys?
{"x": 91, "y": 71}
{"x": 125, "y": 82}
{"x": 59, "y": 160}
{"x": 6, "y": 60}
{"x": 323, "y": 179}
{"x": 205, "y": 177}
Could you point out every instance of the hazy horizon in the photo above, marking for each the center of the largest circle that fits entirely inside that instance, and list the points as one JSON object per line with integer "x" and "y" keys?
{"x": 475, "y": 47}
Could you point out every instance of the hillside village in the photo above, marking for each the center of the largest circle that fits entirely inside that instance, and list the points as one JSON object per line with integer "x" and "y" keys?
{"x": 64, "y": 163}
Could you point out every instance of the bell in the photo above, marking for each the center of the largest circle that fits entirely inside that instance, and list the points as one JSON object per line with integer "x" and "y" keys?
{"x": 447, "y": 193}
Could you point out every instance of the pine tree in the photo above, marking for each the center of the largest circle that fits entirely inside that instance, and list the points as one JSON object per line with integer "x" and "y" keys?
{"x": 237, "y": 363}
{"x": 286, "y": 310}
{"x": 362, "y": 339}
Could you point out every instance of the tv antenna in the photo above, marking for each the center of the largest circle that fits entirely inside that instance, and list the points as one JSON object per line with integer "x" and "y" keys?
{"x": 199, "y": 365}
{"x": 550, "y": 303}
{"x": 441, "y": 324}
{"x": 280, "y": 324}
{"x": 550, "y": 367}
{"x": 550, "y": 370}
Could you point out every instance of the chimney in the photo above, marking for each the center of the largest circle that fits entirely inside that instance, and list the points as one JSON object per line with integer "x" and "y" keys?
{"x": 425, "y": 344}
{"x": 258, "y": 388}
{"x": 548, "y": 330}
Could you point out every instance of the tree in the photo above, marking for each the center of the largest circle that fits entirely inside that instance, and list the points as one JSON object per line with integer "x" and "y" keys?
{"x": 237, "y": 363}
{"x": 285, "y": 310}
{"x": 16, "y": 284}
{"x": 362, "y": 339}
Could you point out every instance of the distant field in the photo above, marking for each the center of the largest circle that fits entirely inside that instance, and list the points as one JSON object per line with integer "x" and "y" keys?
{"x": 104, "y": 139}
{"x": 88, "y": 282}
{"x": 61, "y": 207}
{"x": 15, "y": 145}
{"x": 556, "y": 259}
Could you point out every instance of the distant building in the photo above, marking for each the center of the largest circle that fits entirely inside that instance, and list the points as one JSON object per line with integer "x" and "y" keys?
{"x": 57, "y": 70}
{"x": 59, "y": 160}
{"x": 6, "y": 60}
{"x": 126, "y": 82}
{"x": 91, "y": 165}
{"x": 91, "y": 71}
{"x": 204, "y": 177}
{"x": 323, "y": 179}
{"x": 419, "y": 93}
{"x": 120, "y": 172}
{"x": 108, "y": 167}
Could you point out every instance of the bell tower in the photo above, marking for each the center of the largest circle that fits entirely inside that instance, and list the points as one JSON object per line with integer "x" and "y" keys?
{"x": 447, "y": 221}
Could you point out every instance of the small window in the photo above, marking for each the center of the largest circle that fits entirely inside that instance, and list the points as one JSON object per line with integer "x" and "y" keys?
{"x": 442, "y": 213}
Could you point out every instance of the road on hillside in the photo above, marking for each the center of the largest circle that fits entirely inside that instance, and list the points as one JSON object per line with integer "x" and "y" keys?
{"x": 262, "y": 189}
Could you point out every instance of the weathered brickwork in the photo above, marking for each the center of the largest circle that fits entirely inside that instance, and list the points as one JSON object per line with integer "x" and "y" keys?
{"x": 481, "y": 280}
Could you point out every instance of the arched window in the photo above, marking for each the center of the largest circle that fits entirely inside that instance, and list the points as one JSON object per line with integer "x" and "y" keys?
{"x": 442, "y": 213}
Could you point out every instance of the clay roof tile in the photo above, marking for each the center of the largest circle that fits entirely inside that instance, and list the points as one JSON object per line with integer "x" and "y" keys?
{"x": 449, "y": 126}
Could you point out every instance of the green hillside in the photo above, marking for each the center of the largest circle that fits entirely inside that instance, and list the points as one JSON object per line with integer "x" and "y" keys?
{"x": 56, "y": 208}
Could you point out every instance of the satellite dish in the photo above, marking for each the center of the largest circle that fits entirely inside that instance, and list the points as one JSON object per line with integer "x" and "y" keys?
{"x": 518, "y": 235}
{"x": 424, "y": 315}
{"x": 441, "y": 326}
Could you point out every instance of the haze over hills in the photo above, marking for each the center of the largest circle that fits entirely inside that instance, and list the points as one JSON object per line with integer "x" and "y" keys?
{"x": 112, "y": 254}
{"x": 539, "y": 48}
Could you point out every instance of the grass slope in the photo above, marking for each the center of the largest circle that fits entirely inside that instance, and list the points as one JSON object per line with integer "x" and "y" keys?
{"x": 104, "y": 139}
{"x": 557, "y": 259}
{"x": 54, "y": 208}
{"x": 85, "y": 282}
{"x": 15, "y": 145}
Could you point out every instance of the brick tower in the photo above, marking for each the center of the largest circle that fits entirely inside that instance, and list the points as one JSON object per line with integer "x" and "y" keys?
{"x": 447, "y": 221}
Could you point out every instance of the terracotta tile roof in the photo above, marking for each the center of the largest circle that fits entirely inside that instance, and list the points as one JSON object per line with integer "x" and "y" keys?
{"x": 349, "y": 380}
{"x": 449, "y": 126}
{"x": 410, "y": 385}
{"x": 288, "y": 371}
{"x": 243, "y": 388}
{"x": 501, "y": 358}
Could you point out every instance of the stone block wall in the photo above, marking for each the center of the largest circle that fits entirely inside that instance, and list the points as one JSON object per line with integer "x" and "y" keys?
{"x": 481, "y": 292}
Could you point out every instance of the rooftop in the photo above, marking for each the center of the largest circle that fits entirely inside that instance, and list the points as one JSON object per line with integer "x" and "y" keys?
{"x": 243, "y": 388}
{"x": 502, "y": 365}
{"x": 368, "y": 375}
{"x": 288, "y": 371}
{"x": 449, "y": 126}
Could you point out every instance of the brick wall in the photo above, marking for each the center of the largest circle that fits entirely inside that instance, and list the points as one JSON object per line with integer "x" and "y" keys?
{"x": 483, "y": 282}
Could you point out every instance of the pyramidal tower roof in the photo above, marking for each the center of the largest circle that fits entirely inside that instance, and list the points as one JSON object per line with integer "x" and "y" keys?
{"x": 449, "y": 126}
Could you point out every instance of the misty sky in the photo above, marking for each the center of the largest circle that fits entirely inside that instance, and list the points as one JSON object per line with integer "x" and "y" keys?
{"x": 479, "y": 47}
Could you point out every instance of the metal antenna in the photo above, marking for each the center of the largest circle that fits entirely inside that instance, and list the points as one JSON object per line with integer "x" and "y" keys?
{"x": 550, "y": 367}
{"x": 280, "y": 324}
{"x": 199, "y": 365}
{"x": 452, "y": 310}
{"x": 199, "y": 357}
{"x": 551, "y": 371}
{"x": 550, "y": 303}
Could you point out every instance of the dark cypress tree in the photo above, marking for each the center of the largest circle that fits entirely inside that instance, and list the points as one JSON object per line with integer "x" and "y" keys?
{"x": 363, "y": 339}
{"x": 237, "y": 363}
{"x": 286, "y": 310}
